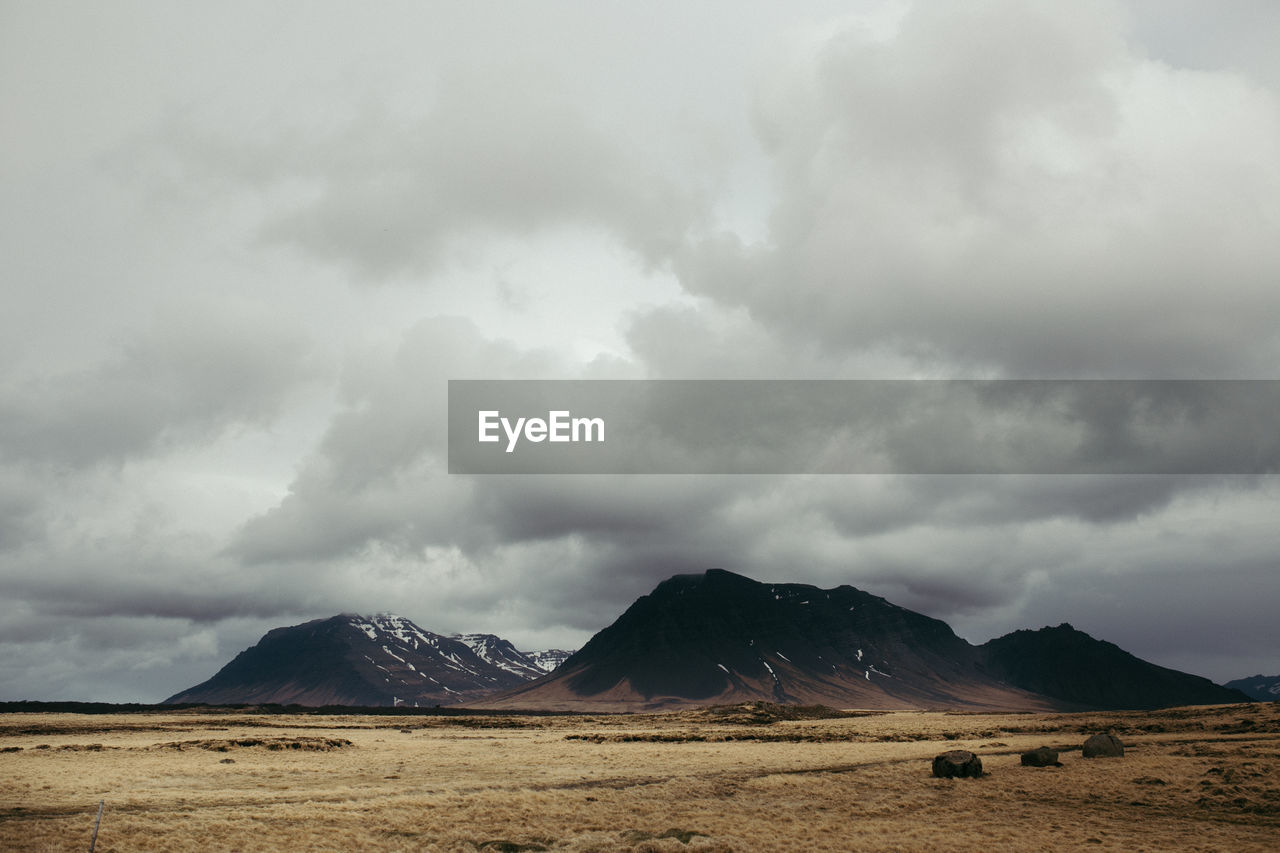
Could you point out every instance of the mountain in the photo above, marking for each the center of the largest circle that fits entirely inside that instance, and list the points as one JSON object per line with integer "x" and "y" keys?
{"x": 357, "y": 660}
{"x": 1070, "y": 666}
{"x": 719, "y": 637}
{"x": 549, "y": 660}
{"x": 709, "y": 638}
{"x": 497, "y": 651}
{"x": 1263, "y": 688}
{"x": 501, "y": 653}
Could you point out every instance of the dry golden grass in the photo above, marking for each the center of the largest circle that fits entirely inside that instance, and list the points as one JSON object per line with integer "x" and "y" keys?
{"x": 1192, "y": 779}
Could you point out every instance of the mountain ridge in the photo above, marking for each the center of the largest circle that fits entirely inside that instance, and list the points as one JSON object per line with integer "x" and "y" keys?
{"x": 714, "y": 637}
{"x": 1068, "y": 665}
{"x": 350, "y": 659}
{"x": 718, "y": 637}
{"x": 1264, "y": 688}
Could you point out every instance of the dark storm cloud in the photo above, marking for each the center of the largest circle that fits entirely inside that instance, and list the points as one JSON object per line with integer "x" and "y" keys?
{"x": 560, "y": 551}
{"x": 376, "y": 473}
{"x": 113, "y": 658}
{"x": 150, "y": 591}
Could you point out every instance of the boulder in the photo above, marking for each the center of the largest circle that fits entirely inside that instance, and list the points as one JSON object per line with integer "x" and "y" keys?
{"x": 1041, "y": 757}
{"x": 1103, "y": 746}
{"x": 957, "y": 764}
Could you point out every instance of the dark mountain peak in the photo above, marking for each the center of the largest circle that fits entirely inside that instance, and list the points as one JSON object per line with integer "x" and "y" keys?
{"x": 717, "y": 636}
{"x": 1059, "y": 631}
{"x": 722, "y": 582}
{"x": 351, "y": 659}
{"x": 725, "y": 579}
{"x": 721, "y": 635}
{"x": 719, "y": 579}
{"x": 313, "y": 624}
{"x": 704, "y": 638}
{"x": 1070, "y": 665}
{"x": 1062, "y": 637}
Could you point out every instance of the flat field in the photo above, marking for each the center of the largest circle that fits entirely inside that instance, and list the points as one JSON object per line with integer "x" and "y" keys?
{"x": 744, "y": 778}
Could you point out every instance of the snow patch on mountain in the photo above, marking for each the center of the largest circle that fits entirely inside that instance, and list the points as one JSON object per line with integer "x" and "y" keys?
{"x": 356, "y": 659}
{"x": 499, "y": 652}
{"x": 549, "y": 660}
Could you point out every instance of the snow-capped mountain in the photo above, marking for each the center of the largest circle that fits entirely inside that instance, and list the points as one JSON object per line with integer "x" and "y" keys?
{"x": 365, "y": 660}
{"x": 501, "y": 654}
{"x": 549, "y": 660}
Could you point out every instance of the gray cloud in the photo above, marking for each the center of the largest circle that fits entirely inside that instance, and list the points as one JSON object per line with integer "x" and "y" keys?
{"x": 575, "y": 549}
{"x": 194, "y": 373}
{"x": 114, "y": 658}
{"x": 209, "y": 426}
{"x": 376, "y": 473}
{"x": 498, "y": 149}
{"x": 1011, "y": 187}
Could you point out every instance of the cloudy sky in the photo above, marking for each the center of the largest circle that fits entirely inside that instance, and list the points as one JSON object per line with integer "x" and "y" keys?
{"x": 243, "y": 247}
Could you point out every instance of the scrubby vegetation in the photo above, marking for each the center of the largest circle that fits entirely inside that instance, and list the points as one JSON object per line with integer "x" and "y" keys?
{"x": 745, "y": 777}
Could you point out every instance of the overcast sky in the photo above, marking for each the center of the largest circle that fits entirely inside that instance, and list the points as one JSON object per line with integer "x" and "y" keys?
{"x": 243, "y": 246}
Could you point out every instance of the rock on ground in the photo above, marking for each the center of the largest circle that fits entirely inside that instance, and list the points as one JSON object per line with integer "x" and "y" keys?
{"x": 957, "y": 764}
{"x": 1103, "y": 746}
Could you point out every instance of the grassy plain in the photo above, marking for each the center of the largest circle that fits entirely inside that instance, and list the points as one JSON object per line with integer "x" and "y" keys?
{"x": 741, "y": 779}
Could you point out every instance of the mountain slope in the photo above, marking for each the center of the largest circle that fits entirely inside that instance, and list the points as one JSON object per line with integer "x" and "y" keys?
{"x": 721, "y": 637}
{"x": 701, "y": 639}
{"x": 499, "y": 652}
{"x": 1263, "y": 688}
{"x": 1073, "y": 667}
{"x": 356, "y": 660}
{"x": 549, "y": 660}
